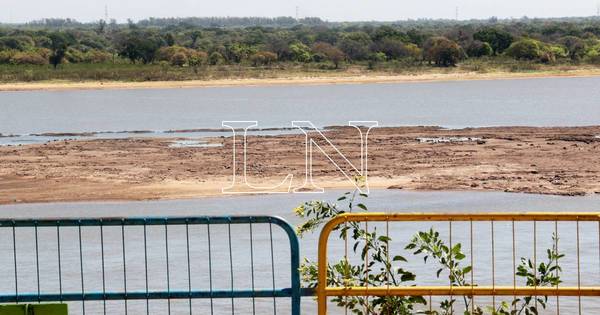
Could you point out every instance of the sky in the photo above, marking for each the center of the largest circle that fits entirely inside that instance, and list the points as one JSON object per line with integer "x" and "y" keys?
{"x": 14, "y": 11}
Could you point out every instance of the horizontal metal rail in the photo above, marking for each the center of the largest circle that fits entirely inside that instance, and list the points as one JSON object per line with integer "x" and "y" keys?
{"x": 465, "y": 290}
{"x": 323, "y": 291}
{"x": 293, "y": 291}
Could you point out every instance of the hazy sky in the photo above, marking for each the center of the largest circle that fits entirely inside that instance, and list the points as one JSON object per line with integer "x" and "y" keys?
{"x": 333, "y": 10}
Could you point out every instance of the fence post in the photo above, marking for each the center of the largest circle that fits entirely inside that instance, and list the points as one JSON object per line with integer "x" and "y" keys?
{"x": 295, "y": 262}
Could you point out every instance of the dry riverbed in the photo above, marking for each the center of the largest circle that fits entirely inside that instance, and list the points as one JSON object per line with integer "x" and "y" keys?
{"x": 562, "y": 161}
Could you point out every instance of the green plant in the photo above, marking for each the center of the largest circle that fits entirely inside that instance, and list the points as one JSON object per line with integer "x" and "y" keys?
{"x": 380, "y": 270}
{"x": 430, "y": 245}
{"x": 379, "y": 267}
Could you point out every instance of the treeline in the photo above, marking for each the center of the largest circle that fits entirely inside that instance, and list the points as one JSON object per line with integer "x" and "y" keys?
{"x": 196, "y": 42}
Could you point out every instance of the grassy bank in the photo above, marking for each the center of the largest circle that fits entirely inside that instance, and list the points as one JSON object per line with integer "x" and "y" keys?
{"x": 159, "y": 72}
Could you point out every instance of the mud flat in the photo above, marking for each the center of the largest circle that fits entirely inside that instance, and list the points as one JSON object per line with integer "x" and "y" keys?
{"x": 559, "y": 161}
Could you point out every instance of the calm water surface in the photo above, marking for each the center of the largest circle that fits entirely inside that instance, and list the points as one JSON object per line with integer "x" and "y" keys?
{"x": 536, "y": 102}
{"x": 380, "y": 200}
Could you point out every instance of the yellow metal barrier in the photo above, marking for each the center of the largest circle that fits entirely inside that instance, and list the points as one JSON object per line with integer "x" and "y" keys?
{"x": 323, "y": 291}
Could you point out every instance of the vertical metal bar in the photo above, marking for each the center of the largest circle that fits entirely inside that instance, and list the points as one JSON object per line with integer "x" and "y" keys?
{"x": 472, "y": 267}
{"x": 387, "y": 254}
{"x": 493, "y": 266}
{"x": 231, "y": 267}
{"x": 514, "y": 263}
{"x": 367, "y": 268}
{"x": 252, "y": 268}
{"x": 189, "y": 271}
{"x": 294, "y": 265}
{"x": 578, "y": 271}
{"x": 450, "y": 241}
{"x": 210, "y": 283}
{"x": 346, "y": 272}
{"x": 81, "y": 268}
{"x": 146, "y": 266}
{"x": 14, "y": 235}
{"x": 168, "y": 273}
{"x": 272, "y": 267}
{"x": 430, "y": 305}
{"x": 535, "y": 260}
{"x": 557, "y": 238}
{"x": 37, "y": 261}
{"x": 59, "y": 260}
{"x": 103, "y": 267}
{"x": 124, "y": 263}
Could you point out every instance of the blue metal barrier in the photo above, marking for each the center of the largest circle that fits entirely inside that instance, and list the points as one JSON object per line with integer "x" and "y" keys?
{"x": 21, "y": 238}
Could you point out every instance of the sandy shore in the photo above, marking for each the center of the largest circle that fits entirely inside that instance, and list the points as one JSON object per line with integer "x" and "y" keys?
{"x": 561, "y": 161}
{"x": 341, "y": 78}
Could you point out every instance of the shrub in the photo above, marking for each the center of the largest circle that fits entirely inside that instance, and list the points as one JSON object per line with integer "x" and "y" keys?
{"x": 356, "y": 45}
{"x": 393, "y": 48}
{"x": 525, "y": 49}
{"x": 216, "y": 59}
{"x": 498, "y": 40}
{"x": 167, "y": 53}
{"x": 197, "y": 58}
{"x": 6, "y": 55}
{"x": 96, "y": 56}
{"x": 575, "y": 46}
{"x": 74, "y": 56}
{"x": 479, "y": 49}
{"x": 300, "y": 52}
{"x": 21, "y": 43}
{"x": 413, "y": 51}
{"x": 28, "y": 58}
{"x": 179, "y": 59}
{"x": 442, "y": 51}
{"x": 263, "y": 58}
{"x": 592, "y": 54}
{"x": 325, "y": 51}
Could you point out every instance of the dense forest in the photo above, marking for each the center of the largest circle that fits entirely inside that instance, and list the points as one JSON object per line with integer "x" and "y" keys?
{"x": 198, "y": 43}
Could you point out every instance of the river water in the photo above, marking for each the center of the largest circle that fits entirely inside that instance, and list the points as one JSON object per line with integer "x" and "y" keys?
{"x": 532, "y": 102}
{"x": 379, "y": 200}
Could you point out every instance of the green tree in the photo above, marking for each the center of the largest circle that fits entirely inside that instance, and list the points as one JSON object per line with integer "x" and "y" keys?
{"x": 498, "y": 39}
{"x": 179, "y": 59}
{"x": 442, "y": 51}
{"x": 393, "y": 48}
{"x": 479, "y": 49}
{"x": 263, "y": 58}
{"x": 575, "y": 46}
{"x": 59, "y": 43}
{"x": 323, "y": 50}
{"x": 216, "y": 58}
{"x": 356, "y": 45}
{"x": 525, "y": 49}
{"x": 300, "y": 52}
{"x": 140, "y": 46}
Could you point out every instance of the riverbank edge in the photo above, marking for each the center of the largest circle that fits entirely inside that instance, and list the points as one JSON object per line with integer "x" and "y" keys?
{"x": 295, "y": 80}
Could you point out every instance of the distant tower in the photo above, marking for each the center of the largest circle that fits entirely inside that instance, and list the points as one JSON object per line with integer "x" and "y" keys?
{"x": 106, "y": 13}
{"x": 598, "y": 9}
{"x": 297, "y": 13}
{"x": 456, "y": 13}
